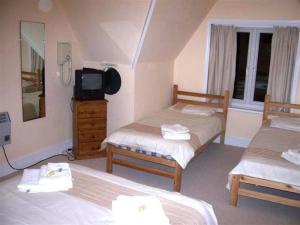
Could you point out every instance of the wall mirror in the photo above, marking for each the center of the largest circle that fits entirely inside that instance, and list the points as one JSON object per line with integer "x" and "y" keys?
{"x": 32, "y": 48}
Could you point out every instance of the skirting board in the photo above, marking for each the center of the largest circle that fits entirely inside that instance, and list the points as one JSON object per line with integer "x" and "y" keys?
{"x": 34, "y": 157}
{"x": 235, "y": 141}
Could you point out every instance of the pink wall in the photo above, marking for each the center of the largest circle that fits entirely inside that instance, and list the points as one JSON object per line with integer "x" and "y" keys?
{"x": 153, "y": 87}
{"x": 56, "y": 128}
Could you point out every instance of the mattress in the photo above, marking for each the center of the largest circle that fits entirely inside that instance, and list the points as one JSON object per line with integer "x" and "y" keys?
{"x": 262, "y": 159}
{"x": 145, "y": 134}
{"x": 89, "y": 202}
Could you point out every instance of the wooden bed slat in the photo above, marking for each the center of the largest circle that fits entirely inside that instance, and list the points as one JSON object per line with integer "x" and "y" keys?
{"x": 201, "y": 95}
{"x": 144, "y": 157}
{"x": 138, "y": 166}
{"x": 272, "y": 113}
{"x": 284, "y": 105}
{"x": 270, "y": 184}
{"x": 206, "y": 104}
{"x": 269, "y": 197}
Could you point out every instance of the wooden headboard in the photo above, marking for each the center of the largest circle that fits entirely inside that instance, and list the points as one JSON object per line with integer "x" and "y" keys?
{"x": 223, "y": 100}
{"x": 270, "y": 111}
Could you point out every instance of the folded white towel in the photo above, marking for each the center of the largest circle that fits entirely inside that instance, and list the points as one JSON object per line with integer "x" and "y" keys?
{"x": 174, "y": 128}
{"x": 56, "y": 166}
{"x": 30, "y": 179}
{"x": 30, "y": 183}
{"x": 291, "y": 158}
{"x": 138, "y": 210}
{"x": 294, "y": 152}
{"x": 174, "y": 136}
{"x": 56, "y": 174}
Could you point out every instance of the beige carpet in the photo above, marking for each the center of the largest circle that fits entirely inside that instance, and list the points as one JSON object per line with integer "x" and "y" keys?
{"x": 205, "y": 178}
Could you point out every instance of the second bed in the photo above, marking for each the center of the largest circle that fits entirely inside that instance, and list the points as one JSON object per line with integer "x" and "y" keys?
{"x": 262, "y": 163}
{"x": 142, "y": 140}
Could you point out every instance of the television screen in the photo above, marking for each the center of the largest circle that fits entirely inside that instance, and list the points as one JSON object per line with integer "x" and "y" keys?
{"x": 91, "y": 81}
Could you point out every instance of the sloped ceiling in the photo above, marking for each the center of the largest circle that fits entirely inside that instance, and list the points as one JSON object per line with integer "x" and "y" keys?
{"x": 172, "y": 24}
{"x": 108, "y": 30}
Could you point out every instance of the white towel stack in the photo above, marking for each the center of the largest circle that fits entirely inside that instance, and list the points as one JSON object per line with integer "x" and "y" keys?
{"x": 292, "y": 155}
{"x": 175, "y": 132}
{"x": 50, "y": 178}
{"x": 138, "y": 210}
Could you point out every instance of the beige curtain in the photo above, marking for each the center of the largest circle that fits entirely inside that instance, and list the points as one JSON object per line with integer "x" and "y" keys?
{"x": 37, "y": 61}
{"x": 222, "y": 59}
{"x": 283, "y": 58}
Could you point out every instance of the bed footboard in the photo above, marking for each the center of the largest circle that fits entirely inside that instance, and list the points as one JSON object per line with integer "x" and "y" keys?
{"x": 175, "y": 175}
{"x": 237, "y": 191}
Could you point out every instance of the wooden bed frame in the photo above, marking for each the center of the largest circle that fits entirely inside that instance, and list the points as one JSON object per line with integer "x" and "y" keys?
{"x": 34, "y": 77}
{"x": 236, "y": 190}
{"x": 176, "y": 172}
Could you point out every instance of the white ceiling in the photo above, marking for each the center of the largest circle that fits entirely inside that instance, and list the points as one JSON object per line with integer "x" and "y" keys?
{"x": 110, "y": 30}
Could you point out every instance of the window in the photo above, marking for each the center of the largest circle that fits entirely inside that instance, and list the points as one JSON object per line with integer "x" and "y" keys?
{"x": 252, "y": 67}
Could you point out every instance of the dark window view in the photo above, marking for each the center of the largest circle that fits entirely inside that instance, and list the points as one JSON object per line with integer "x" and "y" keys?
{"x": 241, "y": 64}
{"x": 263, "y": 65}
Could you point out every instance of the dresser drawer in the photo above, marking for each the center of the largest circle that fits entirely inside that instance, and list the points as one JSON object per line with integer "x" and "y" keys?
{"x": 89, "y": 128}
{"x": 89, "y": 147}
{"x": 88, "y": 136}
{"x": 91, "y": 111}
{"x": 92, "y": 123}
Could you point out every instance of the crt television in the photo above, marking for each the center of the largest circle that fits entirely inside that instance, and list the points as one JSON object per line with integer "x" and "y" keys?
{"x": 89, "y": 84}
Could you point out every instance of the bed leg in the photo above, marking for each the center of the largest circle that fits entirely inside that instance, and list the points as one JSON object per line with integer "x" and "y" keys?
{"x": 177, "y": 178}
{"x": 109, "y": 156}
{"x": 234, "y": 190}
{"x": 222, "y": 140}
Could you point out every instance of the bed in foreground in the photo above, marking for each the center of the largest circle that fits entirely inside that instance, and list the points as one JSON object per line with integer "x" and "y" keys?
{"x": 90, "y": 202}
{"x": 204, "y": 117}
{"x": 262, "y": 163}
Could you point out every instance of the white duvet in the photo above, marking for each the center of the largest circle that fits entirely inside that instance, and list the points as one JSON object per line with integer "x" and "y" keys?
{"x": 60, "y": 208}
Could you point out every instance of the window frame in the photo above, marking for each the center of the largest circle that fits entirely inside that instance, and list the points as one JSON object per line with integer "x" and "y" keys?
{"x": 251, "y": 70}
{"x": 259, "y": 24}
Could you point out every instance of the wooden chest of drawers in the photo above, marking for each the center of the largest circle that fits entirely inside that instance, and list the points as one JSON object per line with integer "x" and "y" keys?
{"x": 89, "y": 128}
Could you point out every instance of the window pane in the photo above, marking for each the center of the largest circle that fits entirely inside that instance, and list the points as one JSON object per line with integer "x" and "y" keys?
{"x": 241, "y": 64}
{"x": 263, "y": 66}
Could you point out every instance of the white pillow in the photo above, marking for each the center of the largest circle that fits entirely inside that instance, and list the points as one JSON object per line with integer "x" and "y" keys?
{"x": 194, "y": 109}
{"x": 287, "y": 123}
{"x": 177, "y": 107}
{"x": 198, "y": 110}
